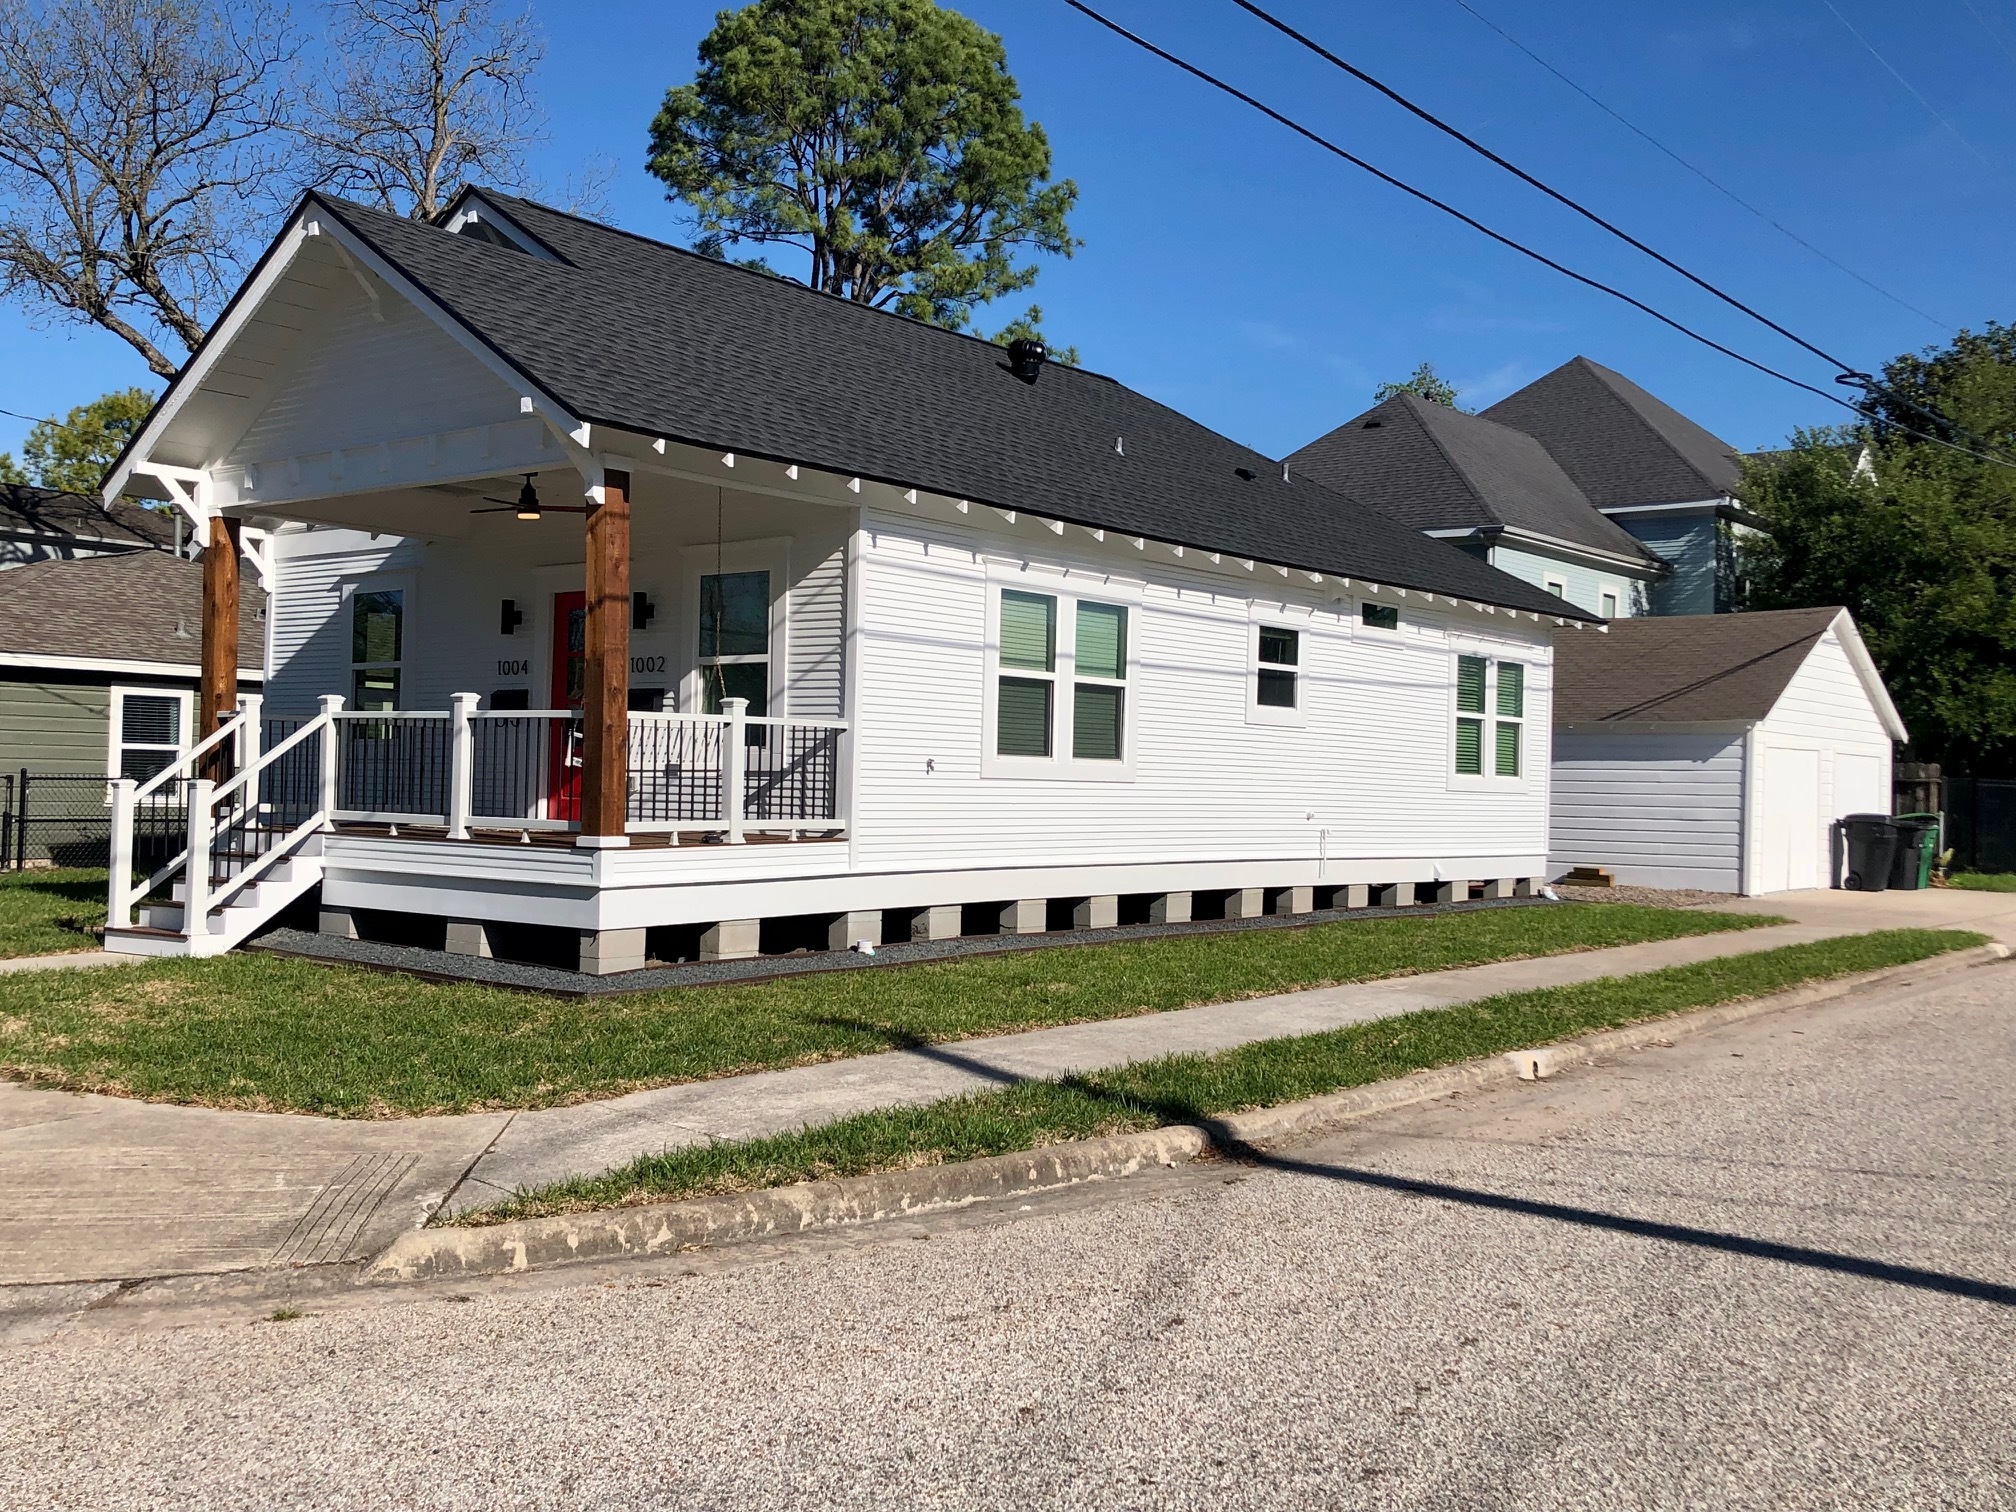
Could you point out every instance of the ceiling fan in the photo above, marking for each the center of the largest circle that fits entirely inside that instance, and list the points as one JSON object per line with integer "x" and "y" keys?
{"x": 527, "y": 506}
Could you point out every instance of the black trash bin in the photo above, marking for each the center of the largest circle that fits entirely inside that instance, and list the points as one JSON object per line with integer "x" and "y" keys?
{"x": 1872, "y": 851}
{"x": 1917, "y": 849}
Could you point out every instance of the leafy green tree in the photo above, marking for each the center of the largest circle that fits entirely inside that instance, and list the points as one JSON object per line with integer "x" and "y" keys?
{"x": 883, "y": 138}
{"x": 1425, "y": 382}
{"x": 75, "y": 453}
{"x": 1917, "y": 540}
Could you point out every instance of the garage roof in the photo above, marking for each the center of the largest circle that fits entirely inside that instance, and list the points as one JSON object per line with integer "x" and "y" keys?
{"x": 1700, "y": 668}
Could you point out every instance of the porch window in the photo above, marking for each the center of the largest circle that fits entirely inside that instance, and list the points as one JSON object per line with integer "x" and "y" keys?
{"x": 1280, "y": 652}
{"x": 377, "y": 648}
{"x": 149, "y": 731}
{"x": 1026, "y": 692}
{"x": 1099, "y": 687}
{"x": 734, "y": 651}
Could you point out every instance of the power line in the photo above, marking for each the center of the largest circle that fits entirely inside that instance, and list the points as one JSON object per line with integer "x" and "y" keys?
{"x": 1521, "y": 248}
{"x": 1844, "y": 374}
{"x": 1930, "y": 109}
{"x": 1702, "y": 173}
{"x": 1974, "y": 10}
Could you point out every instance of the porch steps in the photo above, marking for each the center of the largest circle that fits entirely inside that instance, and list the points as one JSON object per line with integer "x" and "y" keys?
{"x": 163, "y": 929}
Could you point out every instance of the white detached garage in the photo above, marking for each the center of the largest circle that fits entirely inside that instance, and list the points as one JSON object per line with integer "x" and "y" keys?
{"x": 1716, "y": 751}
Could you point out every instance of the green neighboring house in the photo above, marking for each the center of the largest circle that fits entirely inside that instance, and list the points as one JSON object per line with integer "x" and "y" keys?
{"x": 99, "y": 661}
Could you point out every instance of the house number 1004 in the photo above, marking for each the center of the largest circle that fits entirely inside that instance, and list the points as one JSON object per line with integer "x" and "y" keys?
{"x": 514, "y": 668}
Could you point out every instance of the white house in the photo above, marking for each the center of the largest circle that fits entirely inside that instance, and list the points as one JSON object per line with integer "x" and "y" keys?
{"x": 1716, "y": 751}
{"x": 634, "y": 604}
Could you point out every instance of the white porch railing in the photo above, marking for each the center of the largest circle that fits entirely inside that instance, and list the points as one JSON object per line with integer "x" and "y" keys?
{"x": 463, "y": 770}
{"x": 235, "y": 830}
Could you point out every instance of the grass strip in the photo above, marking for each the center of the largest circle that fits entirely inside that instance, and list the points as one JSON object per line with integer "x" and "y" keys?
{"x": 2004, "y": 882}
{"x": 1181, "y": 1089}
{"x": 263, "y": 1032}
{"x": 51, "y": 910}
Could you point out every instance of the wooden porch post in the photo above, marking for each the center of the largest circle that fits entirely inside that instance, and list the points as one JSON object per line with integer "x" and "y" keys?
{"x": 605, "y": 704}
{"x": 219, "y": 681}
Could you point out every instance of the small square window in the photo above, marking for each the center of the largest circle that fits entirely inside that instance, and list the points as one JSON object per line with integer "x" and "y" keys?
{"x": 1557, "y": 586}
{"x": 1380, "y": 616}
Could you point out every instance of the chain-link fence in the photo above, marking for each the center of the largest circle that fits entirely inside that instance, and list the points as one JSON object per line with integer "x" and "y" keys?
{"x": 65, "y": 819}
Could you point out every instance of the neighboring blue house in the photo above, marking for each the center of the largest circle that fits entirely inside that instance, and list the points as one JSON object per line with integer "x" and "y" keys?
{"x": 1581, "y": 482}
{"x": 1491, "y": 490}
{"x": 1648, "y": 467}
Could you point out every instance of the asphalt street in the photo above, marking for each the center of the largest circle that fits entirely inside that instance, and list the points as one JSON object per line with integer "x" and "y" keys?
{"x": 1772, "y": 1266}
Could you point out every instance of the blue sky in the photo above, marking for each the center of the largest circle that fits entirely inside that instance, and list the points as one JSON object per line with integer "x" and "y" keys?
{"x": 1247, "y": 278}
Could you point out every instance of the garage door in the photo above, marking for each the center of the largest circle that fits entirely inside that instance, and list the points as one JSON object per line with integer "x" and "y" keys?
{"x": 1791, "y": 830}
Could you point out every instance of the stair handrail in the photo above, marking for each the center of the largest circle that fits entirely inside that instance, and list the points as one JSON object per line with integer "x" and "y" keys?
{"x": 227, "y": 729}
{"x": 221, "y": 895}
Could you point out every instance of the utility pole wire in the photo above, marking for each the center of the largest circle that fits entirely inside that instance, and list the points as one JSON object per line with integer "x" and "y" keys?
{"x": 2007, "y": 50}
{"x": 1930, "y": 109}
{"x": 1844, "y": 374}
{"x": 1525, "y": 251}
{"x": 1703, "y": 174}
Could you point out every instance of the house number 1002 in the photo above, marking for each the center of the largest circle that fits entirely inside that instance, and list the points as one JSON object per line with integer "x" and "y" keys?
{"x": 647, "y": 664}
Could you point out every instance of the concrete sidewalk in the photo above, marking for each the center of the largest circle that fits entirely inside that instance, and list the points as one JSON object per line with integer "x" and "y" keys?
{"x": 101, "y": 1188}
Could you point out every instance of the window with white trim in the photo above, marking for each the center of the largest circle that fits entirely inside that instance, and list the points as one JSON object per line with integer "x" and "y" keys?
{"x": 1379, "y": 616}
{"x": 734, "y": 644}
{"x": 1490, "y": 717}
{"x": 1099, "y": 682}
{"x": 1025, "y": 708}
{"x": 1276, "y": 671}
{"x": 377, "y": 647}
{"x": 1556, "y": 586}
{"x": 1060, "y": 673}
{"x": 1608, "y": 601}
{"x": 150, "y": 729}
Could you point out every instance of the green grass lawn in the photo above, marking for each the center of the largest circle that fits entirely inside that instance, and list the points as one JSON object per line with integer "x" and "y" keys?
{"x": 1984, "y": 881}
{"x": 1187, "y": 1089}
{"x": 42, "y": 912}
{"x": 253, "y": 1031}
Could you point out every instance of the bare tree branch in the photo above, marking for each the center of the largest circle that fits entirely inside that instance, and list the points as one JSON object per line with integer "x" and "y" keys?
{"x": 137, "y": 151}
{"x": 432, "y": 94}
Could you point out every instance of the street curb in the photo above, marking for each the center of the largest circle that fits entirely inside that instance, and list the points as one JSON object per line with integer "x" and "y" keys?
{"x": 665, "y": 1228}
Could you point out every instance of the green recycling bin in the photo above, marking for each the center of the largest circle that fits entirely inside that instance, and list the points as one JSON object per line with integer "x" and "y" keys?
{"x": 1917, "y": 850}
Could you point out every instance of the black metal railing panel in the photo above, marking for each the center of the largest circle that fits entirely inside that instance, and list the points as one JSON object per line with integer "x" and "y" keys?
{"x": 793, "y": 774}
{"x": 676, "y": 771}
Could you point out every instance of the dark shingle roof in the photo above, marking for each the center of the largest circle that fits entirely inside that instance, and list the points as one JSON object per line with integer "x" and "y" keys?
{"x": 635, "y": 334}
{"x": 50, "y": 512}
{"x": 128, "y": 607}
{"x": 1619, "y": 444}
{"x": 1693, "y": 668}
{"x": 1436, "y": 468}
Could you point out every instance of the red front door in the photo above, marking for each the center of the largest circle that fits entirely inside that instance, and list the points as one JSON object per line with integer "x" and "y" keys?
{"x": 570, "y": 641}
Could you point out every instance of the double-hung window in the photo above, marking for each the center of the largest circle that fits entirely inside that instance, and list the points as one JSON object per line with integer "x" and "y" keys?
{"x": 1099, "y": 686}
{"x": 1026, "y": 696}
{"x": 1490, "y": 717}
{"x": 1274, "y": 678}
{"x": 377, "y": 648}
{"x": 734, "y": 644}
{"x": 1060, "y": 682}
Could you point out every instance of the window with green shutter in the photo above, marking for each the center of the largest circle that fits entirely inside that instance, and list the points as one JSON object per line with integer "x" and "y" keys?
{"x": 1099, "y": 696}
{"x": 1025, "y": 705}
{"x": 1470, "y": 675}
{"x": 1511, "y": 690}
{"x": 1470, "y": 748}
{"x": 1507, "y": 764}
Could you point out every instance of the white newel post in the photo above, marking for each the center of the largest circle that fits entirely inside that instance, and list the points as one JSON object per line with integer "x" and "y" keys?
{"x": 196, "y": 874}
{"x": 332, "y": 753}
{"x": 734, "y": 765}
{"x": 251, "y": 731}
{"x": 461, "y": 763}
{"x": 120, "y": 859}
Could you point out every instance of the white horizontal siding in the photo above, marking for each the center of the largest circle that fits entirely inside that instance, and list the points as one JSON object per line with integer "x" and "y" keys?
{"x": 1372, "y": 767}
{"x": 361, "y": 380}
{"x": 816, "y": 630}
{"x": 308, "y": 640}
{"x": 1826, "y": 707}
{"x": 1655, "y": 809}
